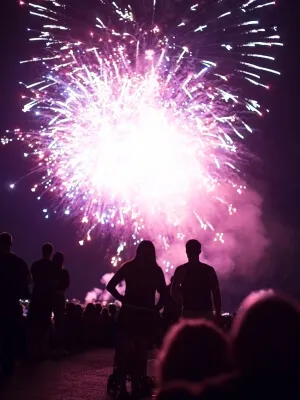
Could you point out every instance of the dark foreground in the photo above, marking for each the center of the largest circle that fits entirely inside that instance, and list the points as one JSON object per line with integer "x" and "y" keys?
{"x": 79, "y": 377}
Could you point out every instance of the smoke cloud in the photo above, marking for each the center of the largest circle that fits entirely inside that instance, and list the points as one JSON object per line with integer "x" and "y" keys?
{"x": 102, "y": 295}
{"x": 243, "y": 244}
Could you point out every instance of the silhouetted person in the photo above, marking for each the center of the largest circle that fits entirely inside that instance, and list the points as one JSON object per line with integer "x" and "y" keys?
{"x": 41, "y": 269}
{"x": 266, "y": 335}
{"x": 265, "y": 340}
{"x": 193, "y": 350}
{"x": 62, "y": 283}
{"x": 40, "y": 309}
{"x": 14, "y": 285}
{"x": 195, "y": 285}
{"x": 143, "y": 278}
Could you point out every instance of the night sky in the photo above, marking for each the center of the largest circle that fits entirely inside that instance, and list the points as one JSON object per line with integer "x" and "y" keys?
{"x": 276, "y": 176}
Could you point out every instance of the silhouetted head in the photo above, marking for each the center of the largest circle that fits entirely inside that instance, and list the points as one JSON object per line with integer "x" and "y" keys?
{"x": 47, "y": 250}
{"x": 5, "y": 242}
{"x": 192, "y": 351}
{"x": 265, "y": 335}
{"x": 193, "y": 249}
{"x": 89, "y": 309}
{"x": 58, "y": 259}
{"x": 145, "y": 253}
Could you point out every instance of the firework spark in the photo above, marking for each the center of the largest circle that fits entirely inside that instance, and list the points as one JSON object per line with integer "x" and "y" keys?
{"x": 141, "y": 124}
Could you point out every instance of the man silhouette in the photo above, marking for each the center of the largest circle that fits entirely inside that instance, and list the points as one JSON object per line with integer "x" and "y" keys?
{"x": 195, "y": 285}
{"x": 40, "y": 309}
{"x": 14, "y": 285}
{"x": 41, "y": 269}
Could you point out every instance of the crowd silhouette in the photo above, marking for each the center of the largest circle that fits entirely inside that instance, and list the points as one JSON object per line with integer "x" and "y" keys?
{"x": 202, "y": 354}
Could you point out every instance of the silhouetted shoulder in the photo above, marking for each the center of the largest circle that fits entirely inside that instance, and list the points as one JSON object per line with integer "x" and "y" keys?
{"x": 208, "y": 267}
{"x": 180, "y": 272}
{"x": 127, "y": 271}
{"x": 20, "y": 263}
{"x": 42, "y": 270}
{"x": 127, "y": 266}
{"x": 159, "y": 270}
{"x": 14, "y": 268}
{"x": 181, "y": 268}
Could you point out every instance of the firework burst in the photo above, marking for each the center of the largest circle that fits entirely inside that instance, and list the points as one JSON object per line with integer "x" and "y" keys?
{"x": 141, "y": 117}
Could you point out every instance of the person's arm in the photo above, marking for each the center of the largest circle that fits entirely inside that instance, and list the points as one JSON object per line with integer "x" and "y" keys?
{"x": 114, "y": 282}
{"x": 215, "y": 288}
{"x": 176, "y": 286}
{"x": 162, "y": 290}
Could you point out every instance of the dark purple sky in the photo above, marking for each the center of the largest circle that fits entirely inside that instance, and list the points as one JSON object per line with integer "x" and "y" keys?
{"x": 277, "y": 177}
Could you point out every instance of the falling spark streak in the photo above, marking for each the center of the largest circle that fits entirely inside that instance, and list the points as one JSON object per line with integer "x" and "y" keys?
{"x": 249, "y": 23}
{"x": 248, "y": 73}
{"x": 257, "y": 83}
{"x": 42, "y": 16}
{"x": 270, "y": 44}
{"x": 142, "y": 124}
{"x": 224, "y": 15}
{"x": 260, "y": 56}
{"x": 261, "y": 68}
{"x": 271, "y": 3}
{"x": 248, "y": 4}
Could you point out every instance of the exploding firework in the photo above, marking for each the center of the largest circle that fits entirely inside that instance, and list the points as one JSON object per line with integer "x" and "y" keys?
{"x": 142, "y": 112}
